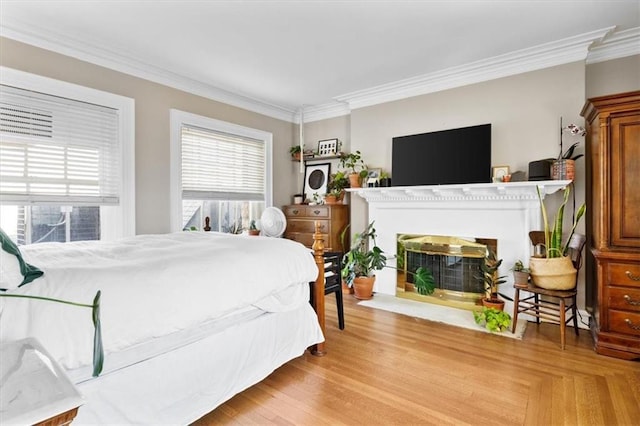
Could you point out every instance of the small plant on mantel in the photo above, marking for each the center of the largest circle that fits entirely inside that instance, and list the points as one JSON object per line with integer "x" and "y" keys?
{"x": 356, "y": 167}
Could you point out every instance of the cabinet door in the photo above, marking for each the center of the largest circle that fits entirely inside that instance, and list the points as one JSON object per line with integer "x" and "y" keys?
{"x": 625, "y": 180}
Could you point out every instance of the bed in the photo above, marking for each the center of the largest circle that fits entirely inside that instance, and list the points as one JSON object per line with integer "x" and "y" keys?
{"x": 188, "y": 319}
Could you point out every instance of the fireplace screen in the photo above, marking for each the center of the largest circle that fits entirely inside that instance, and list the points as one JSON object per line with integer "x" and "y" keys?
{"x": 454, "y": 263}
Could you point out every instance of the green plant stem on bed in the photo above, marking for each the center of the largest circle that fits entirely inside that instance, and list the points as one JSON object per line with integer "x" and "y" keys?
{"x": 98, "y": 351}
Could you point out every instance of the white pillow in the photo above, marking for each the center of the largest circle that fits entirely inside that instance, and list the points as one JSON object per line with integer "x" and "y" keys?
{"x": 10, "y": 275}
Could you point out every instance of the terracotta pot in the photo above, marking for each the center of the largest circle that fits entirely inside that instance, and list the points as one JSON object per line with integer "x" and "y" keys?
{"x": 556, "y": 273}
{"x": 563, "y": 170}
{"x": 254, "y": 232}
{"x": 496, "y": 304}
{"x": 363, "y": 287}
{"x": 334, "y": 199}
{"x": 354, "y": 180}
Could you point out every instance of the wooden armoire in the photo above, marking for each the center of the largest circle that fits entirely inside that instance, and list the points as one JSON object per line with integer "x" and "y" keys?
{"x": 613, "y": 223}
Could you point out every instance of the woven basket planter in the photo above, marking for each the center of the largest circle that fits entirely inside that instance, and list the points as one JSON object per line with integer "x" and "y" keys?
{"x": 555, "y": 273}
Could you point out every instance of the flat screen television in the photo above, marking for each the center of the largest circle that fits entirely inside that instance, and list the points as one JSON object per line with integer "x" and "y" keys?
{"x": 455, "y": 156}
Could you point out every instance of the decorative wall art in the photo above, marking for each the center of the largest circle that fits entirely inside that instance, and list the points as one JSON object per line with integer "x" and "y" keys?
{"x": 328, "y": 147}
{"x": 316, "y": 177}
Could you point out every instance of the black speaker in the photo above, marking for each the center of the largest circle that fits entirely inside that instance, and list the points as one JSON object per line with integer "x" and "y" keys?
{"x": 540, "y": 170}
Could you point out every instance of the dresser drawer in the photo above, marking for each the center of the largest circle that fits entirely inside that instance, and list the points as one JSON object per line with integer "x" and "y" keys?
{"x": 307, "y": 225}
{"x": 624, "y": 274}
{"x": 624, "y": 322}
{"x": 307, "y": 211}
{"x": 624, "y": 298}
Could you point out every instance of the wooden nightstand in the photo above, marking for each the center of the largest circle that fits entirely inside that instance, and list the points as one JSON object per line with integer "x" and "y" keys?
{"x": 35, "y": 389}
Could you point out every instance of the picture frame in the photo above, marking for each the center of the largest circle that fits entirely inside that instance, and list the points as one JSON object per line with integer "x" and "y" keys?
{"x": 316, "y": 178}
{"x": 328, "y": 147}
{"x": 374, "y": 174}
{"x": 499, "y": 172}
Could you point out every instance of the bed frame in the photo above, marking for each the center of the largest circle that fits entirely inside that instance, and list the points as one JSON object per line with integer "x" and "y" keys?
{"x": 318, "y": 287}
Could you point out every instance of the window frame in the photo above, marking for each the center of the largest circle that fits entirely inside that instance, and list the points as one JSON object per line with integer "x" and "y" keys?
{"x": 179, "y": 118}
{"x": 117, "y": 221}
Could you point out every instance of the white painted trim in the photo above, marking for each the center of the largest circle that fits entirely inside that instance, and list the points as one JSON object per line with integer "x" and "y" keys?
{"x": 178, "y": 119}
{"x": 123, "y": 222}
{"x": 546, "y": 55}
{"x": 618, "y": 45}
{"x": 120, "y": 62}
{"x": 543, "y": 56}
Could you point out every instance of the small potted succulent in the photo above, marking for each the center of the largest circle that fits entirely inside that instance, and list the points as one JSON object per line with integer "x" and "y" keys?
{"x": 520, "y": 275}
{"x": 253, "y": 228}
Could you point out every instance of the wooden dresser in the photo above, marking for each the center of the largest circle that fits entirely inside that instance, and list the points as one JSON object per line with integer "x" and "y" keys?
{"x": 333, "y": 220}
{"x": 613, "y": 223}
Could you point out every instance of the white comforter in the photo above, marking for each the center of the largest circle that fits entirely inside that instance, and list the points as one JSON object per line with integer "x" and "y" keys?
{"x": 152, "y": 285}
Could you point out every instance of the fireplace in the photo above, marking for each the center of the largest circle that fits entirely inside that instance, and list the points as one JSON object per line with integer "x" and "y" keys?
{"x": 504, "y": 212}
{"x": 454, "y": 263}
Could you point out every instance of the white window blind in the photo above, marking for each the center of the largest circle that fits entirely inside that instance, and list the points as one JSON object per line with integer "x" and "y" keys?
{"x": 57, "y": 150}
{"x": 221, "y": 166}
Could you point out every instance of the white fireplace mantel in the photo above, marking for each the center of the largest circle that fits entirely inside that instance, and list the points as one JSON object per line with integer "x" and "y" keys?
{"x": 502, "y": 211}
{"x": 464, "y": 192}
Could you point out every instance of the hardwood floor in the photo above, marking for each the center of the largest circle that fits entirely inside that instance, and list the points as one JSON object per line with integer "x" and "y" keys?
{"x": 386, "y": 368}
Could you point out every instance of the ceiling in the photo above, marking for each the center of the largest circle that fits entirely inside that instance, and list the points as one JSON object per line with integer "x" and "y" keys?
{"x": 276, "y": 56}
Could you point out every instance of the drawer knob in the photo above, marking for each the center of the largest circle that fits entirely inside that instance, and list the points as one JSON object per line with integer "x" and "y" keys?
{"x": 631, "y": 301}
{"x": 316, "y": 212}
{"x": 633, "y": 277}
{"x": 631, "y": 324}
{"x": 295, "y": 211}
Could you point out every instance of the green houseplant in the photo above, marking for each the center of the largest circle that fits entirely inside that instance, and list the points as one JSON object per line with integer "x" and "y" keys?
{"x": 492, "y": 319}
{"x": 253, "y": 228}
{"x": 337, "y": 183}
{"x": 355, "y": 166}
{"x": 489, "y": 276}
{"x": 555, "y": 271}
{"x": 363, "y": 259}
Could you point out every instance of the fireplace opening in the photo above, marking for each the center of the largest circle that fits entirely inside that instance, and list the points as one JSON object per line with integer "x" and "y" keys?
{"x": 454, "y": 263}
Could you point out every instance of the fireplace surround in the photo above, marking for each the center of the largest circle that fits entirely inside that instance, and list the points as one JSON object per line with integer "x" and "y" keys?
{"x": 505, "y": 212}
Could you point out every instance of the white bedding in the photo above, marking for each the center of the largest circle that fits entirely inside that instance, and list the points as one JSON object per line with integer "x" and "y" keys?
{"x": 152, "y": 286}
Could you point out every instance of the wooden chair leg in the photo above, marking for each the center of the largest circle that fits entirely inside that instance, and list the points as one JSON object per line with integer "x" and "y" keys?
{"x": 516, "y": 302}
{"x": 563, "y": 325}
{"x": 340, "y": 309}
{"x": 574, "y": 310}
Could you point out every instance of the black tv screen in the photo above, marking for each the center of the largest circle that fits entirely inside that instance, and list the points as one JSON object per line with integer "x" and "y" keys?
{"x": 446, "y": 157}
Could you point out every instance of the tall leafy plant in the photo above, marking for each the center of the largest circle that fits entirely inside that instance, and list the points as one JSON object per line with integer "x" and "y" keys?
{"x": 553, "y": 236}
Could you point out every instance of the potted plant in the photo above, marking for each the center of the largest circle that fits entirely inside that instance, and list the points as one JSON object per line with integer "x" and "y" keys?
{"x": 555, "y": 271}
{"x": 489, "y": 275}
{"x": 336, "y": 185}
{"x": 253, "y": 229}
{"x": 564, "y": 166}
{"x": 385, "y": 179}
{"x": 362, "y": 260}
{"x": 520, "y": 274}
{"x": 356, "y": 167}
{"x": 296, "y": 152}
{"x": 492, "y": 319}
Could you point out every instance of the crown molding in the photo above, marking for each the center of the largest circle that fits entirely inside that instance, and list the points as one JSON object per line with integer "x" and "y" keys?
{"x": 543, "y": 56}
{"x": 324, "y": 111}
{"x": 618, "y": 45}
{"x": 117, "y": 61}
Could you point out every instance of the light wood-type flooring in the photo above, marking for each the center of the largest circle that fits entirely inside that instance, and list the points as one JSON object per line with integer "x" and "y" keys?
{"x": 387, "y": 369}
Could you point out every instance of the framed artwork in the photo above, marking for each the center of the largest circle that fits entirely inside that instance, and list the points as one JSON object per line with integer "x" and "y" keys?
{"x": 316, "y": 178}
{"x": 327, "y": 147}
{"x": 499, "y": 172}
{"x": 374, "y": 174}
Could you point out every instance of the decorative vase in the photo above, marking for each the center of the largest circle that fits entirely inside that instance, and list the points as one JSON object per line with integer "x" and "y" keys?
{"x": 563, "y": 170}
{"x": 556, "y": 273}
{"x": 354, "y": 180}
{"x": 363, "y": 287}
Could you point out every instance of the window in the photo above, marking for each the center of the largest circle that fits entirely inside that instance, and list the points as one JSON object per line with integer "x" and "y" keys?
{"x": 66, "y": 161}
{"x": 219, "y": 170}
